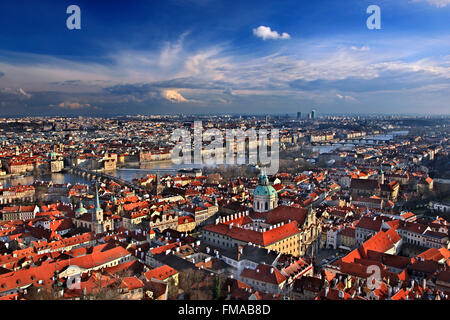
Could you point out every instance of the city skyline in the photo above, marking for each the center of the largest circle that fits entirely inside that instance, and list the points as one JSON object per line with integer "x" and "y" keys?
{"x": 251, "y": 156}
{"x": 189, "y": 57}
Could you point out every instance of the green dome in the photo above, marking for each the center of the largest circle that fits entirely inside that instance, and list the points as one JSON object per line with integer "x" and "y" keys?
{"x": 265, "y": 191}
{"x": 264, "y": 188}
{"x": 81, "y": 209}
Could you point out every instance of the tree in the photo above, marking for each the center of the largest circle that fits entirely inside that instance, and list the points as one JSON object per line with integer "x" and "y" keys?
{"x": 41, "y": 293}
{"x": 173, "y": 290}
{"x": 196, "y": 285}
{"x": 105, "y": 288}
{"x": 219, "y": 292}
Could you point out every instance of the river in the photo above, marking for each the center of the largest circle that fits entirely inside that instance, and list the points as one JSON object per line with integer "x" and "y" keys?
{"x": 128, "y": 173}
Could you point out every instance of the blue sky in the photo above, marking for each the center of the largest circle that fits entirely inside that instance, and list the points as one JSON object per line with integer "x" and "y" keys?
{"x": 207, "y": 56}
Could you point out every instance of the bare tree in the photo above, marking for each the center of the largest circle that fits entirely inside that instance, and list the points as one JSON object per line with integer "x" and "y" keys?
{"x": 196, "y": 285}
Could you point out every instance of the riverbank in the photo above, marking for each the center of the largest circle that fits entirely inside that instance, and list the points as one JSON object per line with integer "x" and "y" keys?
{"x": 15, "y": 176}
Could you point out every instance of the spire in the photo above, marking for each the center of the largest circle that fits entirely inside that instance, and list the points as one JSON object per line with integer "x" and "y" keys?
{"x": 381, "y": 168}
{"x": 97, "y": 201}
{"x": 262, "y": 179}
{"x": 381, "y": 174}
{"x": 98, "y": 211}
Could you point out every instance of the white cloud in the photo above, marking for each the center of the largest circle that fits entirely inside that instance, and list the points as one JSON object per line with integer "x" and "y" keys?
{"x": 216, "y": 74}
{"x": 347, "y": 98}
{"x": 207, "y": 63}
{"x": 363, "y": 48}
{"x": 267, "y": 33}
{"x": 170, "y": 54}
{"x": 24, "y": 93}
{"x": 436, "y": 3}
{"x": 174, "y": 96}
{"x": 72, "y": 105}
{"x": 19, "y": 92}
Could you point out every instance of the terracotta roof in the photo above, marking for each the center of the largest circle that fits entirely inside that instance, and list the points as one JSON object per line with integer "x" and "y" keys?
{"x": 131, "y": 283}
{"x": 264, "y": 273}
{"x": 256, "y": 237}
{"x": 160, "y": 273}
{"x": 286, "y": 213}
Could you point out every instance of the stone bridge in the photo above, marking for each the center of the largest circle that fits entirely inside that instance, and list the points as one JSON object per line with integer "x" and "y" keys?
{"x": 101, "y": 176}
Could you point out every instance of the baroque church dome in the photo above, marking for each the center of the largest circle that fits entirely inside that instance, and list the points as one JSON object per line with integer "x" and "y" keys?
{"x": 264, "y": 188}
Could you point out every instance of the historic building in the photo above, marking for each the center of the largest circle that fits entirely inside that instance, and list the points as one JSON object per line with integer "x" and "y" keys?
{"x": 371, "y": 187}
{"x": 283, "y": 229}
{"x": 265, "y": 197}
{"x": 56, "y": 162}
{"x": 93, "y": 219}
{"x": 17, "y": 194}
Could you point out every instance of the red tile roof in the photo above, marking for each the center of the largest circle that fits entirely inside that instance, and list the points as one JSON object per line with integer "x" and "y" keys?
{"x": 264, "y": 273}
{"x": 160, "y": 273}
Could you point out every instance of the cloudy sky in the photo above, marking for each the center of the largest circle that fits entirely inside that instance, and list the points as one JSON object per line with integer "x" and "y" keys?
{"x": 208, "y": 56}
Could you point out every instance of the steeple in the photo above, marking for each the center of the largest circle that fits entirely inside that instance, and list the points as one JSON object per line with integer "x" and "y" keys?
{"x": 98, "y": 211}
{"x": 97, "y": 201}
{"x": 381, "y": 174}
{"x": 262, "y": 179}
